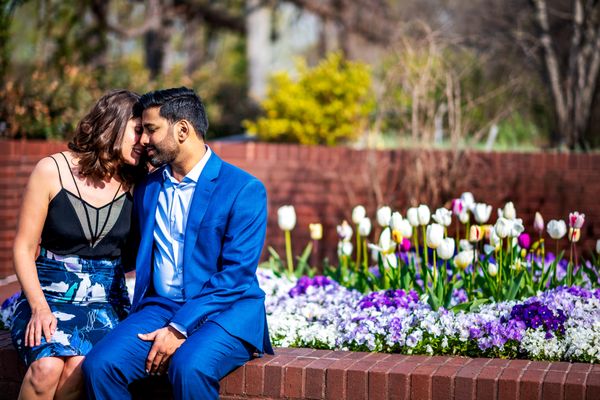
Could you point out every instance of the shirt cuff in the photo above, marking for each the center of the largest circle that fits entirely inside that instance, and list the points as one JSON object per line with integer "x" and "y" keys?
{"x": 179, "y": 328}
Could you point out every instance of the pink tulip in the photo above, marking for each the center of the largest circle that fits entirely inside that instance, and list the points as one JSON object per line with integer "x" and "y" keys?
{"x": 405, "y": 245}
{"x": 576, "y": 220}
{"x": 524, "y": 241}
{"x": 457, "y": 206}
{"x": 538, "y": 223}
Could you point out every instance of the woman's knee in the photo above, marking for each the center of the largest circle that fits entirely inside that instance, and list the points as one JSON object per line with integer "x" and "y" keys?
{"x": 45, "y": 373}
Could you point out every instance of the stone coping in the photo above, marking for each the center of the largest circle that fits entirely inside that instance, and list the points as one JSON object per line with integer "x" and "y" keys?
{"x": 336, "y": 375}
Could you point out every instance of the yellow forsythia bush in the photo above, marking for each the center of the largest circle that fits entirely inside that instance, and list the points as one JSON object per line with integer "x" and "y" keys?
{"x": 327, "y": 104}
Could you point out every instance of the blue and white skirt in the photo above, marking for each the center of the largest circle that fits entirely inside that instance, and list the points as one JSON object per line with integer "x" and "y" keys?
{"x": 87, "y": 296}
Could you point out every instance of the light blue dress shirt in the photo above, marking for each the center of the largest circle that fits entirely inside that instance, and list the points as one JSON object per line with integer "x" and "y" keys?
{"x": 172, "y": 211}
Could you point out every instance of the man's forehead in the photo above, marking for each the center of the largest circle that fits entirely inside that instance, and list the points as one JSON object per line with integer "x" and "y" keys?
{"x": 152, "y": 114}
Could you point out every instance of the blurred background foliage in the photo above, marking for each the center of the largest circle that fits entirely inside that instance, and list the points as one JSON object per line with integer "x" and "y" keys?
{"x": 383, "y": 73}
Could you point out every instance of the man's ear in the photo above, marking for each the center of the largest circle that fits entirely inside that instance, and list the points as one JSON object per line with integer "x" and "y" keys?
{"x": 183, "y": 130}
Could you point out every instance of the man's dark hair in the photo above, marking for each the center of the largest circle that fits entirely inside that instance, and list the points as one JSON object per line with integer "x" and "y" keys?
{"x": 177, "y": 104}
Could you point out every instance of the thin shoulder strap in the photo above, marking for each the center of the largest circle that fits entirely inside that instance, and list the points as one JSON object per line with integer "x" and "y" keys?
{"x": 58, "y": 169}
{"x": 73, "y": 176}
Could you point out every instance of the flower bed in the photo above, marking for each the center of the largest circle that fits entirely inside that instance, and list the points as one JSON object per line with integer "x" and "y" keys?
{"x": 561, "y": 324}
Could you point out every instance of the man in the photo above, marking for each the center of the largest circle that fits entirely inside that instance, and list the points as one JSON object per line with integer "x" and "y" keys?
{"x": 197, "y": 312}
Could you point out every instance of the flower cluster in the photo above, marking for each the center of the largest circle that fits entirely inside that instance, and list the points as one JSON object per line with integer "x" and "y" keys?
{"x": 389, "y": 298}
{"x": 305, "y": 282}
{"x": 535, "y": 314}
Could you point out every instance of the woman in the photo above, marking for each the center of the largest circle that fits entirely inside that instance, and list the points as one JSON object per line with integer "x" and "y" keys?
{"x": 79, "y": 203}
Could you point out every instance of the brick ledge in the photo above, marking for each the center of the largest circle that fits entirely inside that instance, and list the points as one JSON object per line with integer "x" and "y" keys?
{"x": 323, "y": 374}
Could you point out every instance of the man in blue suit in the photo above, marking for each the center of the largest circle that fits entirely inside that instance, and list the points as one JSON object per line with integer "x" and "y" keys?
{"x": 197, "y": 312}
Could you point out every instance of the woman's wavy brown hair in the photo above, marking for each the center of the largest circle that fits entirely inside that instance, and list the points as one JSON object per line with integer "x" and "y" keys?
{"x": 99, "y": 136}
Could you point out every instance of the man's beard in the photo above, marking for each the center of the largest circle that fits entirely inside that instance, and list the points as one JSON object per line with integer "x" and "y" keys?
{"x": 165, "y": 152}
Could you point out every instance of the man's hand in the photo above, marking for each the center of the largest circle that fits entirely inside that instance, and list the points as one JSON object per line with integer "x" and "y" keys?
{"x": 166, "y": 341}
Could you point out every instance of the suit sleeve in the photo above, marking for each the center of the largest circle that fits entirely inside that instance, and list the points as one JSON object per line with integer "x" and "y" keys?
{"x": 242, "y": 245}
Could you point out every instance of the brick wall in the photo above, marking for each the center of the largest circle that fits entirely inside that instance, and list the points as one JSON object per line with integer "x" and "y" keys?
{"x": 325, "y": 183}
{"x": 339, "y": 375}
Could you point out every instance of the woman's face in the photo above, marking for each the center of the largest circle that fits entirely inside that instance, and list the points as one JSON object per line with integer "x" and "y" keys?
{"x": 131, "y": 148}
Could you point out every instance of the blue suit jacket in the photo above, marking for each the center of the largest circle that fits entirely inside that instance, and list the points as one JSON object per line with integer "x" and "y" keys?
{"x": 223, "y": 241}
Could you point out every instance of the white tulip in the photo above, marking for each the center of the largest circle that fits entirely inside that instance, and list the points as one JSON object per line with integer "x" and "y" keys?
{"x": 494, "y": 239}
{"x": 345, "y": 248}
{"x": 344, "y": 231}
{"x": 468, "y": 200}
{"x": 434, "y": 235}
{"x": 364, "y": 227}
{"x": 463, "y": 259}
{"x": 509, "y": 211}
{"x": 557, "y": 229}
{"x": 464, "y": 245}
{"x": 442, "y": 216}
{"x": 384, "y": 216}
{"x": 482, "y": 212}
{"x": 516, "y": 227}
{"x": 392, "y": 260}
{"x": 413, "y": 216}
{"x": 286, "y": 218}
{"x": 405, "y": 229}
{"x": 598, "y": 247}
{"x": 396, "y": 221}
{"x": 503, "y": 227}
{"x": 464, "y": 216}
{"x": 492, "y": 269}
{"x": 423, "y": 214}
{"x": 386, "y": 245}
{"x": 358, "y": 213}
{"x": 446, "y": 249}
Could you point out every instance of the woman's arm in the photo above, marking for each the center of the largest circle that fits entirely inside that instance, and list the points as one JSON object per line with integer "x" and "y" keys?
{"x": 33, "y": 213}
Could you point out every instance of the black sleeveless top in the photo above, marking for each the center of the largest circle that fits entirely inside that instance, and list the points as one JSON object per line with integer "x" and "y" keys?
{"x": 75, "y": 227}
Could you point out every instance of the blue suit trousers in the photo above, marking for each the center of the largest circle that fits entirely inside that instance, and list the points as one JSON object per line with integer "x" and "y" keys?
{"x": 195, "y": 369}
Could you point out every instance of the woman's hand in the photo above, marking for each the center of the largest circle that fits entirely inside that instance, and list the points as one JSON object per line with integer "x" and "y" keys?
{"x": 42, "y": 321}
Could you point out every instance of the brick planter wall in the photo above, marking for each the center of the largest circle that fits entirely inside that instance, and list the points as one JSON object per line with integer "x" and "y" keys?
{"x": 339, "y": 375}
{"x": 324, "y": 183}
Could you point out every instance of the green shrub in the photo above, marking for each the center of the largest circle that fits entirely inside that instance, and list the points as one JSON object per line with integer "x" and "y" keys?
{"x": 327, "y": 104}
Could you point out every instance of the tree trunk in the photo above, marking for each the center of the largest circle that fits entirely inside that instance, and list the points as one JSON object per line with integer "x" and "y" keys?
{"x": 258, "y": 48}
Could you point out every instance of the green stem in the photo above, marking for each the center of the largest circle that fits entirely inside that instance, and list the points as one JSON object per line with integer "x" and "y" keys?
{"x": 425, "y": 252}
{"x": 288, "y": 252}
{"x": 435, "y": 272}
{"x": 570, "y": 266}
{"x": 358, "y": 249}
{"x": 365, "y": 256}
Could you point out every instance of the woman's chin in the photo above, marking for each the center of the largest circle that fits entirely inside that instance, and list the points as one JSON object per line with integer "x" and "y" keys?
{"x": 132, "y": 159}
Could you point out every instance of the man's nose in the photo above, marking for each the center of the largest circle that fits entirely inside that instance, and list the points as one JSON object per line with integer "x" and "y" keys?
{"x": 144, "y": 139}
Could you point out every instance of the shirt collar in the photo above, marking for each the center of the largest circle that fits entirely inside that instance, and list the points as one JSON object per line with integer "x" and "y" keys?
{"x": 194, "y": 173}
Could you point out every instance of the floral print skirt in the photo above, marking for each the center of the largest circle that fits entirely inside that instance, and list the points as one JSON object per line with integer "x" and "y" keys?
{"x": 88, "y": 297}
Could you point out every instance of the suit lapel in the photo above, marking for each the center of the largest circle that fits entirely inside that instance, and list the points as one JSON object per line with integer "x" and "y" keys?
{"x": 202, "y": 194}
